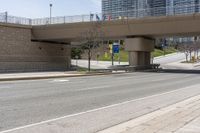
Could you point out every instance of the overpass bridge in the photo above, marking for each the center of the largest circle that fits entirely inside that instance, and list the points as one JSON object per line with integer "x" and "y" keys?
{"x": 30, "y": 42}
{"x": 139, "y": 34}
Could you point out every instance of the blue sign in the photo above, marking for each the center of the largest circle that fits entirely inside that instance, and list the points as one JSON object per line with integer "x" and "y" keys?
{"x": 116, "y": 48}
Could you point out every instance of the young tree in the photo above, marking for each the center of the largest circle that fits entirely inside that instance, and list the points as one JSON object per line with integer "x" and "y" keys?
{"x": 197, "y": 48}
{"x": 184, "y": 48}
{"x": 91, "y": 39}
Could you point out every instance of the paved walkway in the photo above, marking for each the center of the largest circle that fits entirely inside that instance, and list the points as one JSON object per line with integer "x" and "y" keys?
{"x": 97, "y": 64}
{"x": 171, "y": 61}
{"x": 38, "y": 75}
{"x": 183, "y": 117}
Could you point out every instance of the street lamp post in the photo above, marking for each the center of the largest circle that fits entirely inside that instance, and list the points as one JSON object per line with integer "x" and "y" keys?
{"x": 51, "y": 5}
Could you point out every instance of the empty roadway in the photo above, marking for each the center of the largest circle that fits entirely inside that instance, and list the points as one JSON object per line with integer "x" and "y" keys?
{"x": 28, "y": 102}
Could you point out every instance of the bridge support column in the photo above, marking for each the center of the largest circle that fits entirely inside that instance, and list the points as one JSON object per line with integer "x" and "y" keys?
{"x": 139, "y": 49}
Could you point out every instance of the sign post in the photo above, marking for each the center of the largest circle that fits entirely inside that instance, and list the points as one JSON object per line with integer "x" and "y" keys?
{"x": 115, "y": 50}
{"x": 112, "y": 54}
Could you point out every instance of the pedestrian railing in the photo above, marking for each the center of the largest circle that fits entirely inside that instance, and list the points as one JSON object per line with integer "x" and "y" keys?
{"x": 5, "y": 18}
{"x": 105, "y": 16}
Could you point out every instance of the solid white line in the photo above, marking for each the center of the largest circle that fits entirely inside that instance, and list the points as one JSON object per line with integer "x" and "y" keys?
{"x": 5, "y": 87}
{"x": 59, "y": 80}
{"x": 90, "y": 111}
{"x": 95, "y": 88}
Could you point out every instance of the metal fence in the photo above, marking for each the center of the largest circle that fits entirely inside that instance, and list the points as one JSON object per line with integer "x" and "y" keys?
{"x": 66, "y": 19}
{"x": 107, "y": 16}
{"x": 5, "y": 18}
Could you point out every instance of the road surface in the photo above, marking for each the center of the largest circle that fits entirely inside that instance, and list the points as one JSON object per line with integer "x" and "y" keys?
{"x": 28, "y": 102}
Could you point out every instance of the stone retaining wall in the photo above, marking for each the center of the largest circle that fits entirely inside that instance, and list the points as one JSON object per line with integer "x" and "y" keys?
{"x": 19, "y": 54}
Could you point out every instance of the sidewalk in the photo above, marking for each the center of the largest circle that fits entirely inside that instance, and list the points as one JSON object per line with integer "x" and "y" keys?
{"x": 44, "y": 75}
{"x": 183, "y": 117}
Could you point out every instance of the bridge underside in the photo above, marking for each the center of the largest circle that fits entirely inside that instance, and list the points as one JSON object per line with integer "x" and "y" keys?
{"x": 43, "y": 48}
{"x": 139, "y": 34}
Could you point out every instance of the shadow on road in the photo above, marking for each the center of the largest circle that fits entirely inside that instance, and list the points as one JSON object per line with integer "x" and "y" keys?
{"x": 179, "y": 71}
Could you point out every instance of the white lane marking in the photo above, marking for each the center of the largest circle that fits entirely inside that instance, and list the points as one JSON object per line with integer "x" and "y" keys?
{"x": 95, "y": 88}
{"x": 94, "y": 110}
{"x": 59, "y": 80}
{"x": 5, "y": 87}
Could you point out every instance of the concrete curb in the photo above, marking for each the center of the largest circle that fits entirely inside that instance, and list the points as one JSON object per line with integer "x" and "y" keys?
{"x": 58, "y": 76}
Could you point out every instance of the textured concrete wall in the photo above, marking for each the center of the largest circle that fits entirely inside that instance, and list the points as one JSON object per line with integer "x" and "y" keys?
{"x": 19, "y": 53}
{"x": 139, "y": 50}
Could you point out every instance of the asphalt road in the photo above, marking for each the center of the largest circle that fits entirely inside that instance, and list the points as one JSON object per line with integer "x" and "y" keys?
{"x": 28, "y": 102}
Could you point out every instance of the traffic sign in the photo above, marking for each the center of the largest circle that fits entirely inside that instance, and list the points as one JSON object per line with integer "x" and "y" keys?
{"x": 116, "y": 48}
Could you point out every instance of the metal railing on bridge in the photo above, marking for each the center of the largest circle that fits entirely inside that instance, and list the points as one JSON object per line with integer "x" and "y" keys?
{"x": 66, "y": 19}
{"x": 5, "y": 18}
{"x": 106, "y": 16}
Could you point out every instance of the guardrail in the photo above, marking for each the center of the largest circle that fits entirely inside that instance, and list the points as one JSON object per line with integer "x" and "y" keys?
{"x": 106, "y": 16}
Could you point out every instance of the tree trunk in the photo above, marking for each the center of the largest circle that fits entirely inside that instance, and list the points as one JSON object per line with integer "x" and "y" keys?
{"x": 89, "y": 59}
{"x": 186, "y": 56}
{"x": 190, "y": 55}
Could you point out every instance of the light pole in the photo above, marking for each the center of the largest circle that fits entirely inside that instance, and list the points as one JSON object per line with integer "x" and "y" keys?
{"x": 51, "y": 5}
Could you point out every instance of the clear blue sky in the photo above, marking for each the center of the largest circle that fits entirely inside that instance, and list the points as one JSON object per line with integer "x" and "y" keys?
{"x": 40, "y": 8}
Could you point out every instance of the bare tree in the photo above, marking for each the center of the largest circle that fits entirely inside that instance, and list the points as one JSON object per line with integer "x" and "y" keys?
{"x": 185, "y": 49}
{"x": 91, "y": 39}
{"x": 190, "y": 49}
{"x": 196, "y": 49}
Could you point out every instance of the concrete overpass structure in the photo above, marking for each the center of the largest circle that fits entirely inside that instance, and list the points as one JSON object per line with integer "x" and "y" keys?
{"x": 47, "y": 47}
{"x": 139, "y": 34}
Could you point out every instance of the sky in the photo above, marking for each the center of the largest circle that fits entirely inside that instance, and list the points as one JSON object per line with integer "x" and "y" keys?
{"x": 40, "y": 8}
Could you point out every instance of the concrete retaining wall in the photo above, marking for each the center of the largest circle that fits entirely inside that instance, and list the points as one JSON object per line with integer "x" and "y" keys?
{"x": 19, "y": 54}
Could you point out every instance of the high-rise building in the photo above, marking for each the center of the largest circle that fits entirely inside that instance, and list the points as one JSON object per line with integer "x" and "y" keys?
{"x": 157, "y": 7}
{"x": 141, "y": 8}
{"x": 133, "y": 8}
{"x": 175, "y": 7}
{"x": 124, "y": 8}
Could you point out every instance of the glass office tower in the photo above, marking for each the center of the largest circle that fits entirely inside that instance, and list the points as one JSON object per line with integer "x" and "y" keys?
{"x": 141, "y": 8}
{"x": 133, "y": 8}
{"x": 157, "y": 7}
{"x": 124, "y": 8}
{"x": 178, "y": 7}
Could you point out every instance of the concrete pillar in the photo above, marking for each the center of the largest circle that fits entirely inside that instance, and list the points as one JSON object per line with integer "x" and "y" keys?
{"x": 139, "y": 49}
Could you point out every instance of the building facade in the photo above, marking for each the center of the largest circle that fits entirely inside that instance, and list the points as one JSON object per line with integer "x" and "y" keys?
{"x": 157, "y": 7}
{"x": 133, "y": 8}
{"x": 142, "y": 8}
{"x": 124, "y": 8}
{"x": 176, "y": 7}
